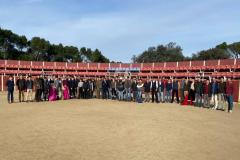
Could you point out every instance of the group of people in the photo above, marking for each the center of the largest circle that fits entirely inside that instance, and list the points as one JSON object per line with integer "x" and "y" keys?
{"x": 200, "y": 92}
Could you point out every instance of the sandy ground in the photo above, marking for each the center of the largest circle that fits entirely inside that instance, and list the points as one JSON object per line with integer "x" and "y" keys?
{"x": 111, "y": 130}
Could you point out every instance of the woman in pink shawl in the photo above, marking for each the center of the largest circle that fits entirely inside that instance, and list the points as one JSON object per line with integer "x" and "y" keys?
{"x": 52, "y": 93}
{"x": 66, "y": 94}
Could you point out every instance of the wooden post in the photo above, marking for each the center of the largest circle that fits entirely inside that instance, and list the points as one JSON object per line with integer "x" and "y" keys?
{"x": 2, "y": 82}
{"x": 239, "y": 94}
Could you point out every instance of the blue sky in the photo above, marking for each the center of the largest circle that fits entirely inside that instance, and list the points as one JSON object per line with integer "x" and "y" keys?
{"x": 122, "y": 28}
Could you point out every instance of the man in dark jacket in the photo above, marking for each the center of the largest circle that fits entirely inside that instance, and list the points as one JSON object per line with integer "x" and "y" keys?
{"x": 214, "y": 93}
{"x": 221, "y": 94}
{"x": 147, "y": 89}
{"x": 38, "y": 88}
{"x": 46, "y": 87}
{"x": 206, "y": 94}
{"x": 175, "y": 90}
{"x": 134, "y": 89}
{"x": 154, "y": 90}
{"x": 10, "y": 89}
{"x": 29, "y": 86}
{"x": 71, "y": 83}
{"x": 104, "y": 89}
{"x": 86, "y": 89}
{"x": 229, "y": 93}
{"x": 120, "y": 89}
{"x": 21, "y": 84}
{"x": 198, "y": 92}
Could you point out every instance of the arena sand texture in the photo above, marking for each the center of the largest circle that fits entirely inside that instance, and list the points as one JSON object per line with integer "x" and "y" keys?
{"x": 112, "y": 130}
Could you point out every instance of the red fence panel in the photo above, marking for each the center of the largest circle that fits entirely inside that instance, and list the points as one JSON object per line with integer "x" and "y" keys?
{"x": 2, "y": 63}
{"x": 227, "y": 62}
{"x": 93, "y": 66}
{"x": 211, "y": 63}
{"x": 136, "y": 65}
{"x": 171, "y": 64}
{"x": 184, "y": 64}
{"x": 197, "y": 63}
{"x": 114, "y": 65}
{"x": 125, "y": 65}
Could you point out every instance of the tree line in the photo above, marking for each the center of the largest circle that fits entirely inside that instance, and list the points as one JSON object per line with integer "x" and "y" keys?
{"x": 16, "y": 47}
{"x": 172, "y": 52}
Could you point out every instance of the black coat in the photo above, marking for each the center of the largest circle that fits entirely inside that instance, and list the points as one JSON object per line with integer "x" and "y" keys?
{"x": 147, "y": 86}
{"x": 10, "y": 85}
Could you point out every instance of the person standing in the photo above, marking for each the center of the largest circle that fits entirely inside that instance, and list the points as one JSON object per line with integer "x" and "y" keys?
{"x": 21, "y": 84}
{"x": 104, "y": 89}
{"x": 182, "y": 83}
{"x": 92, "y": 87}
{"x": 120, "y": 90}
{"x": 186, "y": 92}
{"x": 37, "y": 84}
{"x": 229, "y": 94}
{"x": 10, "y": 89}
{"x": 46, "y": 88}
{"x": 139, "y": 91}
{"x": 134, "y": 89}
{"x": 162, "y": 90}
{"x": 29, "y": 86}
{"x": 214, "y": 92}
{"x": 175, "y": 90}
{"x": 191, "y": 97}
{"x": 198, "y": 93}
{"x": 98, "y": 88}
{"x": 154, "y": 90}
{"x": 127, "y": 86}
{"x": 206, "y": 94}
{"x": 80, "y": 89}
{"x": 168, "y": 91}
{"x": 113, "y": 89}
{"x": 65, "y": 90}
{"x": 147, "y": 89}
{"x": 221, "y": 94}
{"x": 109, "y": 93}
{"x": 58, "y": 86}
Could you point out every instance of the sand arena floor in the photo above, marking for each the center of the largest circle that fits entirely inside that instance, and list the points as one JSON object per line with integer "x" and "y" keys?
{"x": 111, "y": 130}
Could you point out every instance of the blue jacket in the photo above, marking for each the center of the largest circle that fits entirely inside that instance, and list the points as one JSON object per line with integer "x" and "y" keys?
{"x": 10, "y": 85}
{"x": 214, "y": 88}
{"x": 169, "y": 86}
{"x": 175, "y": 85}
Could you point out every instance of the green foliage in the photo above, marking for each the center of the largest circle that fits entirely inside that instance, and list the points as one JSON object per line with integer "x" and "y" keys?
{"x": 161, "y": 53}
{"x": 172, "y": 52}
{"x": 13, "y": 46}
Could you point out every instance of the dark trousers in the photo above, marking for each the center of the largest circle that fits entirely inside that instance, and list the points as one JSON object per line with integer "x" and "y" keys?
{"x": 72, "y": 92}
{"x": 191, "y": 95}
{"x": 154, "y": 94}
{"x": 45, "y": 95}
{"x": 173, "y": 94}
{"x": 21, "y": 96}
{"x": 80, "y": 93}
{"x": 10, "y": 96}
{"x": 38, "y": 95}
{"x": 105, "y": 94}
{"x": 230, "y": 102}
{"x": 85, "y": 94}
{"x": 114, "y": 93}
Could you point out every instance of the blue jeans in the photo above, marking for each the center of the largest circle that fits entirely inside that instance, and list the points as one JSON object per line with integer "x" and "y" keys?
{"x": 10, "y": 96}
{"x": 128, "y": 94}
{"x": 230, "y": 102}
{"x": 120, "y": 95}
{"x": 168, "y": 96}
{"x": 198, "y": 98}
{"x": 161, "y": 96}
{"x": 139, "y": 96}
